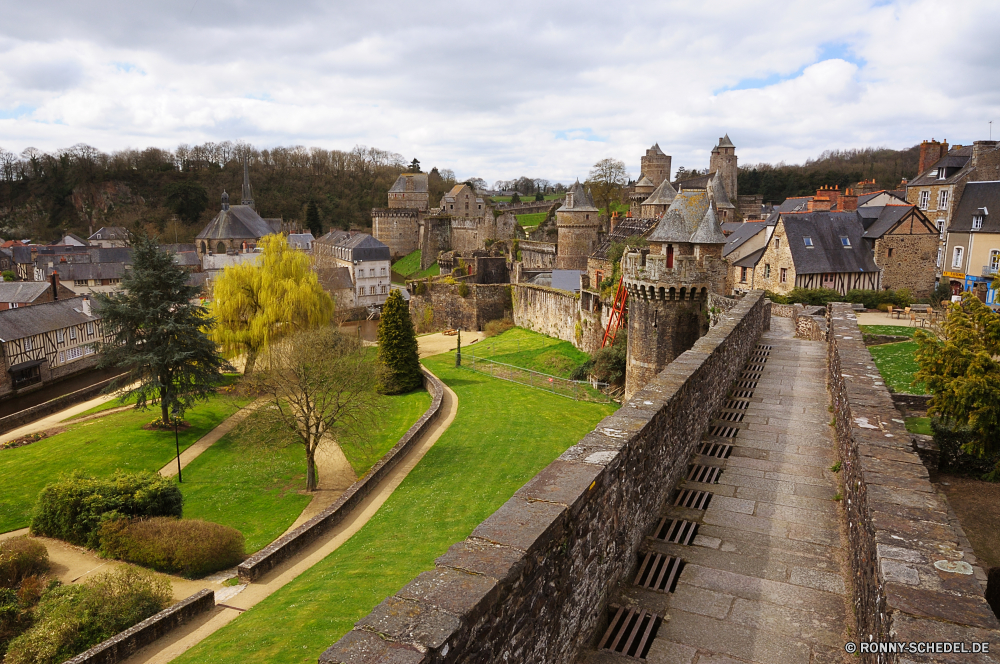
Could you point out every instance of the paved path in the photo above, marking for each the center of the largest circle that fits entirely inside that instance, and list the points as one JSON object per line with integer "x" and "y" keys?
{"x": 192, "y": 633}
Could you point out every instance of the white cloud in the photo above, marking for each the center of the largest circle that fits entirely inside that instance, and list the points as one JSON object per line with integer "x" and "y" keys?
{"x": 499, "y": 91}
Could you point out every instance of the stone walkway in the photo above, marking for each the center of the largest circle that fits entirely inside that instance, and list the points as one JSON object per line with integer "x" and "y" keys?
{"x": 761, "y": 577}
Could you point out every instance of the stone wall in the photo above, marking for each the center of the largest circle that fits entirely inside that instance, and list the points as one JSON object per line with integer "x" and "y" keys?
{"x": 435, "y": 237}
{"x": 545, "y": 310}
{"x": 912, "y": 264}
{"x": 20, "y": 418}
{"x": 123, "y": 645}
{"x": 568, "y": 536}
{"x": 288, "y": 545}
{"x": 397, "y": 229}
{"x": 441, "y": 307}
{"x": 537, "y": 255}
{"x": 912, "y": 580}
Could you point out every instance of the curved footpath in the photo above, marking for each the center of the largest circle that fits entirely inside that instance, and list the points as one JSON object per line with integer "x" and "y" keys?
{"x": 235, "y": 600}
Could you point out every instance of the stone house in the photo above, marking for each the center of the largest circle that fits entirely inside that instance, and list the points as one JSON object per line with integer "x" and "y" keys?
{"x": 973, "y": 249}
{"x": 14, "y": 294}
{"x": 462, "y": 201}
{"x": 110, "y": 236}
{"x": 744, "y": 247}
{"x": 46, "y": 342}
{"x": 599, "y": 266}
{"x": 942, "y": 171}
{"x": 367, "y": 259}
{"x": 410, "y": 192}
{"x": 577, "y": 224}
{"x": 904, "y": 244}
{"x": 817, "y": 250}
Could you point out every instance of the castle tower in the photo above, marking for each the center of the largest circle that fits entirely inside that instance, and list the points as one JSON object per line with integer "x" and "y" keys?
{"x": 247, "y": 194}
{"x": 723, "y": 163}
{"x": 656, "y": 165}
{"x": 577, "y": 223}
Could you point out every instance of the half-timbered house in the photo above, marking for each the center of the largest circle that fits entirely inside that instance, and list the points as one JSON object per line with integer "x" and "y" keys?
{"x": 47, "y": 342}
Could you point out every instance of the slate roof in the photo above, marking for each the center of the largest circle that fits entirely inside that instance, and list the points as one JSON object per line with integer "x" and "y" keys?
{"x": 335, "y": 278}
{"x": 45, "y": 317}
{"x": 419, "y": 183}
{"x": 708, "y": 231}
{"x": 623, "y": 230}
{"x": 360, "y": 246}
{"x": 111, "y": 233}
{"x": 450, "y": 196}
{"x": 81, "y": 271}
{"x": 656, "y": 149}
{"x": 683, "y": 217}
{"x": 719, "y": 194}
{"x": 731, "y": 227}
{"x": 22, "y": 291}
{"x": 187, "y": 258}
{"x": 958, "y": 158}
{"x": 869, "y": 215}
{"x": 724, "y": 142}
{"x": 889, "y": 216}
{"x": 746, "y": 231}
{"x": 875, "y": 194}
{"x": 977, "y": 196}
{"x": 793, "y": 204}
{"x": 662, "y": 195}
{"x": 238, "y": 222}
{"x": 582, "y": 202}
{"x": 644, "y": 182}
{"x": 751, "y": 259}
{"x": 828, "y": 254}
{"x": 697, "y": 182}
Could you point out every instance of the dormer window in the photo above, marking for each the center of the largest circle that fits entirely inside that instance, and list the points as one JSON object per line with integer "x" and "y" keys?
{"x": 940, "y": 173}
{"x": 977, "y": 222}
{"x": 845, "y": 241}
{"x": 808, "y": 242}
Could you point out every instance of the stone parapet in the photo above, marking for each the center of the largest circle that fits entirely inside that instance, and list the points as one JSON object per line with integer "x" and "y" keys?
{"x": 912, "y": 580}
{"x": 531, "y": 583}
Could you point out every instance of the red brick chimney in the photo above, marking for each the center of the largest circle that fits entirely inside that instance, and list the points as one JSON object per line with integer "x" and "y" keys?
{"x": 849, "y": 201}
{"x": 55, "y": 285}
{"x": 930, "y": 152}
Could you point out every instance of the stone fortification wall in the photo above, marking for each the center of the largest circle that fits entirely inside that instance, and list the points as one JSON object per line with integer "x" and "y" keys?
{"x": 557, "y": 313}
{"x": 397, "y": 229}
{"x": 568, "y": 536}
{"x": 810, "y": 322}
{"x": 529, "y": 207}
{"x": 912, "y": 580}
{"x": 435, "y": 237}
{"x": 537, "y": 255}
{"x": 441, "y": 307}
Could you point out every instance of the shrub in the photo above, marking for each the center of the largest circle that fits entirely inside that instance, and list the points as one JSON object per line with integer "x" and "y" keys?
{"x": 20, "y": 558}
{"x": 610, "y": 361}
{"x": 463, "y": 289}
{"x": 582, "y": 371}
{"x": 73, "y": 508}
{"x": 192, "y": 548}
{"x": 421, "y": 288}
{"x": 956, "y": 443}
{"x": 498, "y": 326}
{"x": 70, "y": 619}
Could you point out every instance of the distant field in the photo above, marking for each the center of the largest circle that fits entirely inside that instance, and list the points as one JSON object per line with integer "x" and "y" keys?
{"x": 527, "y": 198}
{"x": 408, "y": 264}
{"x": 532, "y": 219}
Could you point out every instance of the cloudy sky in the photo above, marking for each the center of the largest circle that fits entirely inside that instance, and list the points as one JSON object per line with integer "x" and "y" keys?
{"x": 498, "y": 90}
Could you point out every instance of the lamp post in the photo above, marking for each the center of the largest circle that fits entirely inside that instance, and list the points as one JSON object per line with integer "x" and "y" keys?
{"x": 458, "y": 355}
{"x": 177, "y": 441}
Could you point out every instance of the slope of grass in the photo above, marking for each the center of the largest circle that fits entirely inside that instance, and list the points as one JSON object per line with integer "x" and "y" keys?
{"x": 531, "y": 350}
{"x": 897, "y": 364}
{"x": 97, "y": 447}
{"x": 408, "y": 264}
{"x": 432, "y": 271}
{"x": 919, "y": 425}
{"x": 502, "y": 436}
{"x": 530, "y": 220}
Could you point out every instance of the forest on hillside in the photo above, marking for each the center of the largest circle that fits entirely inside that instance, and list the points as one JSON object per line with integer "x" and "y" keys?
{"x": 843, "y": 168}
{"x": 175, "y": 193}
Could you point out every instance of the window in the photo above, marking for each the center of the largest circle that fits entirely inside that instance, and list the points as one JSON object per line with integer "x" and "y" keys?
{"x": 451, "y": 207}
{"x": 925, "y": 199}
{"x": 890, "y": 252}
{"x": 943, "y": 199}
{"x": 72, "y": 333}
{"x": 777, "y": 243}
{"x": 60, "y": 336}
{"x": 977, "y": 222}
{"x": 383, "y": 272}
{"x": 14, "y": 305}
{"x": 845, "y": 241}
{"x": 74, "y": 353}
{"x": 940, "y": 227}
{"x": 808, "y": 241}
{"x": 90, "y": 325}
{"x": 62, "y": 356}
{"x": 767, "y": 270}
{"x": 994, "y": 260}
{"x": 784, "y": 275}
{"x": 956, "y": 259}
{"x": 940, "y": 256}
{"x": 466, "y": 205}
{"x": 27, "y": 343}
{"x": 743, "y": 275}
{"x": 79, "y": 282}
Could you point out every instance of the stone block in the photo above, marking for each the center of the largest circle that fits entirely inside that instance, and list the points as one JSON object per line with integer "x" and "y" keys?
{"x": 458, "y": 593}
{"x": 563, "y": 482}
{"x": 360, "y": 647}
{"x": 521, "y": 524}
{"x": 477, "y": 557}
{"x": 405, "y": 621}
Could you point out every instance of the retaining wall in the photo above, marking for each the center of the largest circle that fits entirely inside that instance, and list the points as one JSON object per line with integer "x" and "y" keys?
{"x": 448, "y": 309}
{"x": 912, "y": 580}
{"x": 288, "y": 545}
{"x": 20, "y": 418}
{"x": 562, "y": 543}
{"x": 125, "y": 644}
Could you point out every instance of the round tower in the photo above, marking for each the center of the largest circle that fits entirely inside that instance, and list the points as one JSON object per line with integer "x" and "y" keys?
{"x": 723, "y": 162}
{"x": 577, "y": 225}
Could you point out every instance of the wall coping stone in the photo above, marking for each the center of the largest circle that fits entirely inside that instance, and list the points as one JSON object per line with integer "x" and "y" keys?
{"x": 289, "y": 544}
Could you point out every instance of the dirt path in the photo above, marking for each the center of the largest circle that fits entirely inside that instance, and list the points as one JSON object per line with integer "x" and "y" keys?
{"x": 240, "y": 598}
{"x": 335, "y": 477}
{"x": 437, "y": 343}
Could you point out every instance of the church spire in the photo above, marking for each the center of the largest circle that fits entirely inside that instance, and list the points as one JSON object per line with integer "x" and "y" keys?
{"x": 247, "y": 194}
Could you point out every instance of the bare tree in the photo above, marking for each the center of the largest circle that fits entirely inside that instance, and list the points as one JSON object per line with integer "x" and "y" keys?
{"x": 607, "y": 180}
{"x": 318, "y": 385}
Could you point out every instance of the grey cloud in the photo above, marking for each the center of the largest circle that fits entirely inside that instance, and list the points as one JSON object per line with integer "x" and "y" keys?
{"x": 51, "y": 76}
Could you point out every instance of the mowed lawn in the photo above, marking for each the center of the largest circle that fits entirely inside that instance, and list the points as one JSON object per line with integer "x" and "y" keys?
{"x": 408, "y": 264}
{"x": 530, "y": 350}
{"x": 97, "y": 447}
{"x": 259, "y": 490}
{"x": 531, "y": 219}
{"x": 896, "y": 362}
{"x": 502, "y": 436}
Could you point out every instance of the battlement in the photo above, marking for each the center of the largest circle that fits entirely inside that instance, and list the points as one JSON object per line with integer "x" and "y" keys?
{"x": 648, "y": 275}
{"x": 408, "y": 213}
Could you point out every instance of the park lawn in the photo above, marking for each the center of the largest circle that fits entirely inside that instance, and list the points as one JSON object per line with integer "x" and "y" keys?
{"x": 408, "y": 264}
{"x": 257, "y": 489}
{"x": 97, "y": 447}
{"x": 502, "y": 436}
{"x": 118, "y": 402}
{"x": 530, "y": 220}
{"x": 897, "y": 364}
{"x": 530, "y": 350}
{"x": 889, "y": 330}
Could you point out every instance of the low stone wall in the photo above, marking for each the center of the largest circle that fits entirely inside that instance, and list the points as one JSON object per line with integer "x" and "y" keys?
{"x": 783, "y": 310}
{"x": 568, "y": 536}
{"x": 879, "y": 339}
{"x": 546, "y": 310}
{"x": 448, "y": 309}
{"x": 288, "y": 545}
{"x": 911, "y": 401}
{"x": 124, "y": 645}
{"x": 28, "y": 415}
{"x": 912, "y": 581}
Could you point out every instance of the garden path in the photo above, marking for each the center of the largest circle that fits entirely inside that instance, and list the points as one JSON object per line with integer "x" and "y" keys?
{"x": 437, "y": 343}
{"x": 206, "y": 441}
{"x": 239, "y": 599}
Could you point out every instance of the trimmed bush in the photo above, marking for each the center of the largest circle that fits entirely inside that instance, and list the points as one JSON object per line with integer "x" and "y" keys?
{"x": 192, "y": 548}
{"x": 73, "y": 508}
{"x": 70, "y": 619}
{"x": 20, "y": 558}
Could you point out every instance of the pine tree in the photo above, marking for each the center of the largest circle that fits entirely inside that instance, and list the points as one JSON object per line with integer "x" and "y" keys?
{"x": 414, "y": 166}
{"x": 397, "y": 347}
{"x": 155, "y": 333}
{"x": 312, "y": 220}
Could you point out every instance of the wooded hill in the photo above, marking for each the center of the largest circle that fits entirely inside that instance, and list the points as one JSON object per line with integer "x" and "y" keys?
{"x": 176, "y": 193}
{"x": 843, "y": 168}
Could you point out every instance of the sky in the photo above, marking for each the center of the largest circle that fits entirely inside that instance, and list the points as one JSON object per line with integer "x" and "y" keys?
{"x": 500, "y": 90}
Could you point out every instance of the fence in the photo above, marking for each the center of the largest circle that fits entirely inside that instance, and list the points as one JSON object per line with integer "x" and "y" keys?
{"x": 580, "y": 390}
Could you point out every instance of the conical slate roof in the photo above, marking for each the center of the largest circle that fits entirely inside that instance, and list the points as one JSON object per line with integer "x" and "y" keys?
{"x": 644, "y": 182}
{"x": 662, "y": 195}
{"x": 656, "y": 149}
{"x": 582, "y": 202}
{"x": 724, "y": 142}
{"x": 682, "y": 218}
{"x": 708, "y": 231}
{"x": 719, "y": 194}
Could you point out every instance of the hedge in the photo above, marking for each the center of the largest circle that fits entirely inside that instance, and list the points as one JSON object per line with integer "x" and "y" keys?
{"x": 192, "y": 548}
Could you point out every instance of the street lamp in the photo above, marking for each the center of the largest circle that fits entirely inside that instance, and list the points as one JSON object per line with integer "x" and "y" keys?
{"x": 177, "y": 440}
{"x": 458, "y": 355}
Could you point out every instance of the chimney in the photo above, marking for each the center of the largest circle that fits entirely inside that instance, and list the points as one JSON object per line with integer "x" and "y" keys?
{"x": 54, "y": 279}
{"x": 86, "y": 306}
{"x": 980, "y": 147}
{"x": 849, "y": 201}
{"x": 930, "y": 152}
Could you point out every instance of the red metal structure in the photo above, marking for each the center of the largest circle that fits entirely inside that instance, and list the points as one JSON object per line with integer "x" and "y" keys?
{"x": 618, "y": 311}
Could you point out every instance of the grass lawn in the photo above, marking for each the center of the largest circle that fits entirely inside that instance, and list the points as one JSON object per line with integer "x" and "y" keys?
{"x": 897, "y": 365}
{"x": 919, "y": 425}
{"x": 228, "y": 379}
{"x": 503, "y": 435}
{"x": 889, "y": 330}
{"x": 408, "y": 264}
{"x": 530, "y": 220}
{"x": 432, "y": 271}
{"x": 97, "y": 447}
{"x": 527, "y": 198}
{"x": 531, "y": 350}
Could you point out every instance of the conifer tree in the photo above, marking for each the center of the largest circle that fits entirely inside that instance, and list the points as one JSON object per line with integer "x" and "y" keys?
{"x": 312, "y": 220}
{"x": 397, "y": 347}
{"x": 157, "y": 335}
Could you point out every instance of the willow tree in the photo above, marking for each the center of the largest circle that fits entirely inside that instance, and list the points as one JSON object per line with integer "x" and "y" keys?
{"x": 258, "y": 302}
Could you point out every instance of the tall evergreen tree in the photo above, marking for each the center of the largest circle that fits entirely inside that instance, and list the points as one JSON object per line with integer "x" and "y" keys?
{"x": 157, "y": 335}
{"x": 312, "y": 220}
{"x": 397, "y": 347}
{"x": 414, "y": 166}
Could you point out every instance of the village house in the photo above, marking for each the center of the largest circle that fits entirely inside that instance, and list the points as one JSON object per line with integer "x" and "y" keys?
{"x": 904, "y": 245}
{"x": 111, "y": 236}
{"x": 744, "y": 247}
{"x": 973, "y": 249}
{"x": 367, "y": 259}
{"x": 47, "y": 342}
{"x": 14, "y": 294}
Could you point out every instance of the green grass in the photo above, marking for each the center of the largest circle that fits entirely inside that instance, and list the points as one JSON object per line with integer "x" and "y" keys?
{"x": 530, "y": 220}
{"x": 503, "y": 435}
{"x": 432, "y": 271}
{"x": 118, "y": 402}
{"x": 97, "y": 447}
{"x": 527, "y": 198}
{"x": 402, "y": 412}
{"x": 889, "y": 330}
{"x": 531, "y": 350}
{"x": 897, "y": 365}
{"x": 408, "y": 264}
{"x": 919, "y": 425}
